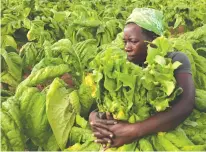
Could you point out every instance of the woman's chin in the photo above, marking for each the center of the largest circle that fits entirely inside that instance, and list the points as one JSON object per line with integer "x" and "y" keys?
{"x": 131, "y": 59}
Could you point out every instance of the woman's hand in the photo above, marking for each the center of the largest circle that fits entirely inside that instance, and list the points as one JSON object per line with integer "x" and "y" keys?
{"x": 103, "y": 135}
{"x": 123, "y": 133}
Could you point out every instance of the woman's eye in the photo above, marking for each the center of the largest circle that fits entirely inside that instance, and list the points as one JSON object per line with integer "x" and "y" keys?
{"x": 134, "y": 42}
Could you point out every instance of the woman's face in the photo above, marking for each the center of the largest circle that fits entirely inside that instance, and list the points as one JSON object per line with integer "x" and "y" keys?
{"x": 135, "y": 46}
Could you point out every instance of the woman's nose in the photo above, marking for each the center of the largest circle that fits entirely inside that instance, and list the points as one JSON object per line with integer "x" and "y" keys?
{"x": 127, "y": 47}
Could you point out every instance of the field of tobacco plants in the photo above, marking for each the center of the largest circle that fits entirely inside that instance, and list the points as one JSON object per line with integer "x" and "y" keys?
{"x": 61, "y": 59}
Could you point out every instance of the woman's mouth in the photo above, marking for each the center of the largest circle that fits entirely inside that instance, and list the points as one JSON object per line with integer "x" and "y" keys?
{"x": 130, "y": 57}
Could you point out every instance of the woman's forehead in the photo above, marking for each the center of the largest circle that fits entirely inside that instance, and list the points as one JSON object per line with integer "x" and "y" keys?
{"x": 132, "y": 30}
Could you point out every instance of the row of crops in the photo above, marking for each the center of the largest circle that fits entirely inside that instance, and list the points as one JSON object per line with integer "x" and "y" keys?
{"x": 62, "y": 59}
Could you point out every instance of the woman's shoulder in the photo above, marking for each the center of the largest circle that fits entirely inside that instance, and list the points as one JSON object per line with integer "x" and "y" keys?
{"x": 177, "y": 55}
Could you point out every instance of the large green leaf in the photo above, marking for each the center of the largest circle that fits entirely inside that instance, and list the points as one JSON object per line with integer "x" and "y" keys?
{"x": 60, "y": 113}
{"x": 16, "y": 140}
{"x": 46, "y": 73}
{"x": 29, "y": 54}
{"x": 10, "y": 23}
{"x": 35, "y": 120}
{"x": 79, "y": 57}
{"x": 12, "y": 108}
{"x": 7, "y": 40}
{"x": 5, "y": 145}
{"x": 13, "y": 64}
{"x": 85, "y": 99}
{"x": 79, "y": 135}
{"x": 8, "y": 79}
{"x": 51, "y": 144}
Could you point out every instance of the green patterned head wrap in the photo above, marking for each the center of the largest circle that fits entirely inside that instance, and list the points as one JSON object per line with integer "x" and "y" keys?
{"x": 147, "y": 18}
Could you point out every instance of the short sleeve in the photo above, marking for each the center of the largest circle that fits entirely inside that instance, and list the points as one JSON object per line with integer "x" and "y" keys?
{"x": 182, "y": 58}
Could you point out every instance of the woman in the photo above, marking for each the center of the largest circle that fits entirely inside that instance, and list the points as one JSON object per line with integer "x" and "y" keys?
{"x": 144, "y": 25}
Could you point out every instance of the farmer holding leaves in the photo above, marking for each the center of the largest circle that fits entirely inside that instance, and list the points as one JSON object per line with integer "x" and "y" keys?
{"x": 145, "y": 25}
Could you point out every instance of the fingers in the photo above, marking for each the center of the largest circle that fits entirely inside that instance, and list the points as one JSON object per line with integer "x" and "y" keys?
{"x": 107, "y": 122}
{"x": 100, "y": 125}
{"x": 94, "y": 129}
{"x": 101, "y": 133}
{"x": 111, "y": 145}
{"x": 102, "y": 117}
{"x": 98, "y": 135}
{"x": 104, "y": 141}
{"x": 93, "y": 116}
